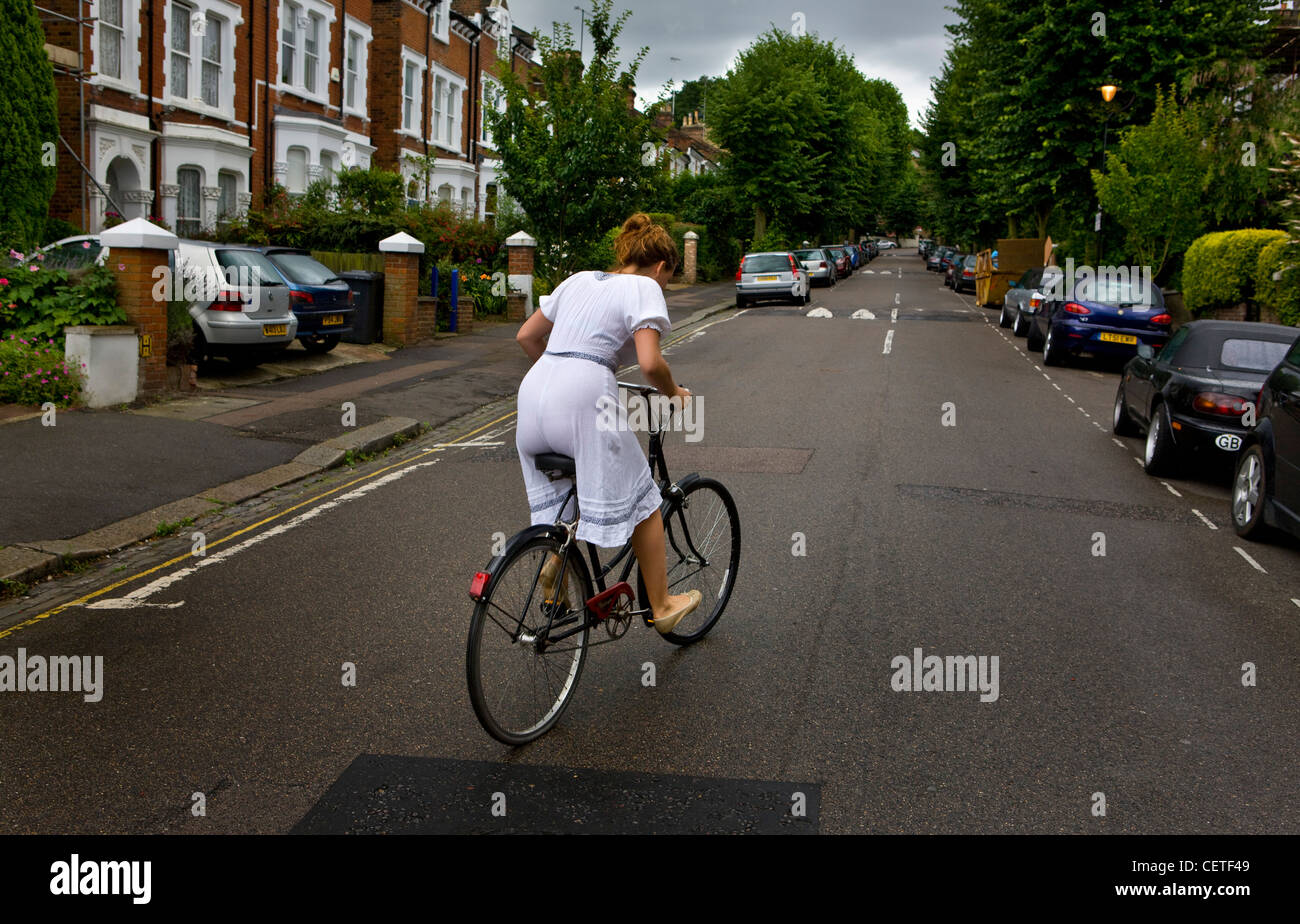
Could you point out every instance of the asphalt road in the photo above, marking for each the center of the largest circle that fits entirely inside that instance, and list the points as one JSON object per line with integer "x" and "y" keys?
{"x": 949, "y": 497}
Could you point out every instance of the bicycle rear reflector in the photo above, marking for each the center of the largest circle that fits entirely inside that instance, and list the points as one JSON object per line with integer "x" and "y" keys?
{"x": 478, "y": 585}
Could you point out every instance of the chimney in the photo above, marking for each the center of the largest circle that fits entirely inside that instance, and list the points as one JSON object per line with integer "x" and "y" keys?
{"x": 664, "y": 116}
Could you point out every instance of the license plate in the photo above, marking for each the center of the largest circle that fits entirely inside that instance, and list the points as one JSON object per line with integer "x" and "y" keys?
{"x": 1118, "y": 338}
{"x": 332, "y": 319}
{"x": 274, "y": 330}
{"x": 767, "y": 278}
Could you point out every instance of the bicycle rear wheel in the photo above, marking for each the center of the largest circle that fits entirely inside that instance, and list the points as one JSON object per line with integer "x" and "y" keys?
{"x": 702, "y": 534}
{"x": 520, "y": 682}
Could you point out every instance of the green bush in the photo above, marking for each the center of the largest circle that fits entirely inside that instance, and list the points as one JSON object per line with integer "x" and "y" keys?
{"x": 35, "y": 371}
{"x": 1219, "y": 269}
{"x": 29, "y": 114}
{"x": 38, "y": 302}
{"x": 1277, "y": 280}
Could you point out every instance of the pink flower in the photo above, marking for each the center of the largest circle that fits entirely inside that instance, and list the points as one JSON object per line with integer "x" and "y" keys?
{"x": 33, "y": 267}
{"x": 16, "y": 255}
{"x": 4, "y": 282}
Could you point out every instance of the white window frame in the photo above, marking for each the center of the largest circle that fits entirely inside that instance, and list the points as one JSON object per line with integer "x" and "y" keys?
{"x": 489, "y": 83}
{"x": 129, "y": 56}
{"x": 452, "y": 105}
{"x": 441, "y": 25}
{"x": 198, "y": 219}
{"x": 362, "y": 31}
{"x": 409, "y": 57}
{"x": 227, "y": 17}
{"x": 505, "y": 34}
{"x": 211, "y": 20}
{"x": 297, "y": 83}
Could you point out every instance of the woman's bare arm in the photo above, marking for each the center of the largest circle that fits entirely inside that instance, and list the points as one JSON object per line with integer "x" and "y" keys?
{"x": 653, "y": 365}
{"x": 533, "y": 333}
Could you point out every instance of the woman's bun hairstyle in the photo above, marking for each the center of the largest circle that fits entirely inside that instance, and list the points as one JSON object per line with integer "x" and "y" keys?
{"x": 642, "y": 243}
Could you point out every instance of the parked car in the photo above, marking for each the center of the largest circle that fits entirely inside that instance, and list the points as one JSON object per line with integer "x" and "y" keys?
{"x": 934, "y": 260}
{"x": 886, "y": 244}
{"x": 855, "y": 257}
{"x": 951, "y": 266}
{"x": 963, "y": 274}
{"x": 771, "y": 275}
{"x": 76, "y": 252}
{"x": 1266, "y": 483}
{"x": 946, "y": 258}
{"x": 1190, "y": 398}
{"x": 242, "y": 310}
{"x": 820, "y": 266}
{"x": 1024, "y": 296}
{"x": 872, "y": 249}
{"x": 1100, "y": 316}
{"x": 842, "y": 265}
{"x": 321, "y": 300}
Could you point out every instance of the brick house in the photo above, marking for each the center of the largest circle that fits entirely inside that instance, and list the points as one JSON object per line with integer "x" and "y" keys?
{"x": 687, "y": 149}
{"x": 188, "y": 109}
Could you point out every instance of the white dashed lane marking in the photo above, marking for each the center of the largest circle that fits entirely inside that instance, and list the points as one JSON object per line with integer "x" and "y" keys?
{"x": 1203, "y": 518}
{"x": 889, "y": 341}
{"x": 1254, "y": 564}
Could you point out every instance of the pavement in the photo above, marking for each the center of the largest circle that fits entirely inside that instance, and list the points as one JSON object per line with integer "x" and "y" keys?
{"x": 100, "y": 480}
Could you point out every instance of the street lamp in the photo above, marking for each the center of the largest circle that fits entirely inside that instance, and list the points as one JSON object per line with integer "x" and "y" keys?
{"x": 582, "y": 28}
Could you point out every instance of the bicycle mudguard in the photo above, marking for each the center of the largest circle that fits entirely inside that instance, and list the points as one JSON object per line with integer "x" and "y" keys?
{"x": 482, "y": 580}
{"x": 682, "y": 484}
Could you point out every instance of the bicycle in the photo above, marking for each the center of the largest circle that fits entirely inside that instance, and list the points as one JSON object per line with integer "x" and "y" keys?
{"x": 512, "y": 618}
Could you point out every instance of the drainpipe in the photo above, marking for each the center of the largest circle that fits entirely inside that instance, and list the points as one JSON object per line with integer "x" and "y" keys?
{"x": 473, "y": 97}
{"x": 252, "y": 87}
{"x": 155, "y": 145}
{"x": 268, "y": 130}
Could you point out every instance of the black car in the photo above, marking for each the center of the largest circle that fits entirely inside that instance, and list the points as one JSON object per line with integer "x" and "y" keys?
{"x": 1266, "y": 488}
{"x": 1193, "y": 395}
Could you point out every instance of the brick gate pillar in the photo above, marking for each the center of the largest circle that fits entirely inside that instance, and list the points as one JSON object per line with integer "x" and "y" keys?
{"x": 401, "y": 288}
{"x": 521, "y": 250}
{"x": 691, "y": 257}
{"x": 138, "y": 258}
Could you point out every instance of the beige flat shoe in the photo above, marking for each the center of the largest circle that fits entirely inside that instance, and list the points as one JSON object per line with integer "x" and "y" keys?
{"x": 550, "y": 574}
{"x": 666, "y": 624}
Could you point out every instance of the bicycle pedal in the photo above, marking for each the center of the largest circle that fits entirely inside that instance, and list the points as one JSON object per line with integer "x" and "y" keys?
{"x": 604, "y": 602}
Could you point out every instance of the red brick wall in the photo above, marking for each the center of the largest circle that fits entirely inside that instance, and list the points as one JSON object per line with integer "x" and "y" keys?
{"x": 133, "y": 272}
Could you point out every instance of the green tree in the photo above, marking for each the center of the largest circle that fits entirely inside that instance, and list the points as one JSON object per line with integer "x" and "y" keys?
{"x": 29, "y": 125}
{"x": 692, "y": 97}
{"x": 1155, "y": 184}
{"x": 571, "y": 145}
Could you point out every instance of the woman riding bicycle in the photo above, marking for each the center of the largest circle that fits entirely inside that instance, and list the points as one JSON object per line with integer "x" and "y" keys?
{"x": 593, "y": 323}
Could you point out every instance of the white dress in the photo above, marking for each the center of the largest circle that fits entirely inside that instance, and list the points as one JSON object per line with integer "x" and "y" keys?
{"x": 560, "y": 405}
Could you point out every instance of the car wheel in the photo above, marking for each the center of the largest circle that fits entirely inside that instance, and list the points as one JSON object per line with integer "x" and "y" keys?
{"x": 742, "y": 302}
{"x": 1018, "y": 327}
{"x": 320, "y": 343}
{"x": 1004, "y": 320}
{"x": 1053, "y": 355}
{"x": 1120, "y": 423}
{"x": 1033, "y": 339}
{"x": 1249, "y": 494}
{"x": 1160, "y": 453}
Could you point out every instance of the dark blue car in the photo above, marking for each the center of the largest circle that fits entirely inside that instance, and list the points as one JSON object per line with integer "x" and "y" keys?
{"x": 1099, "y": 315}
{"x": 323, "y": 303}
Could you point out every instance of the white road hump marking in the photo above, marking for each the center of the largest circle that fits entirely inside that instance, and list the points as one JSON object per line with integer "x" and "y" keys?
{"x": 863, "y": 314}
{"x": 1204, "y": 519}
{"x": 820, "y": 313}
{"x": 889, "y": 341}
{"x": 1174, "y": 492}
{"x": 1295, "y": 601}
{"x": 1254, "y": 564}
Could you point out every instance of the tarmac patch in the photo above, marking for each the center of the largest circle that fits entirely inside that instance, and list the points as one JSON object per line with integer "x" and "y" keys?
{"x": 388, "y": 794}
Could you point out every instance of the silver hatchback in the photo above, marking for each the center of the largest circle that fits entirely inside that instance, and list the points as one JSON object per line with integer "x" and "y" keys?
{"x": 772, "y": 275}
{"x": 237, "y": 298}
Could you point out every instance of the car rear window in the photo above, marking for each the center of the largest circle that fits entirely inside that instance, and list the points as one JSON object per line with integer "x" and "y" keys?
{"x": 766, "y": 263}
{"x": 301, "y": 268}
{"x": 1256, "y": 355}
{"x": 1108, "y": 291}
{"x": 249, "y": 268}
{"x": 810, "y": 255}
{"x": 970, "y": 262}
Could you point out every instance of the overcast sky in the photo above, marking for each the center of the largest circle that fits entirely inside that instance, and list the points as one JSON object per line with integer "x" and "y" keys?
{"x": 902, "y": 41}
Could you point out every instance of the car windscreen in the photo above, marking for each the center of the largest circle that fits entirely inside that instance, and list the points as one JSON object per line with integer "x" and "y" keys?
{"x": 248, "y": 267}
{"x": 810, "y": 255}
{"x": 766, "y": 263}
{"x": 1256, "y": 355}
{"x": 303, "y": 269}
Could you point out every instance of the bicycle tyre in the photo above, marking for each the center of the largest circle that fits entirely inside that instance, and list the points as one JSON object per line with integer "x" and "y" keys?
{"x": 722, "y": 508}
{"x": 508, "y": 593}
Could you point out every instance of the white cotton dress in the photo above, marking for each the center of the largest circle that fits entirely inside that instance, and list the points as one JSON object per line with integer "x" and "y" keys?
{"x": 560, "y": 405}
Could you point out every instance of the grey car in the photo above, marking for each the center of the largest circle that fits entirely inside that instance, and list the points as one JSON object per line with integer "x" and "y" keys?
{"x": 771, "y": 275}
{"x": 1024, "y": 297}
{"x": 819, "y": 264}
{"x": 238, "y": 300}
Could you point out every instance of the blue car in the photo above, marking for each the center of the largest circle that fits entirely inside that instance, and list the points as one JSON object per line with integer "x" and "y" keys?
{"x": 1101, "y": 316}
{"x": 854, "y": 257}
{"x": 323, "y": 303}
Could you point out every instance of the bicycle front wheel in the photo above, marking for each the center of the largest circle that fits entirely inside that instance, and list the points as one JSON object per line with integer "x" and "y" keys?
{"x": 702, "y": 534}
{"x": 525, "y": 654}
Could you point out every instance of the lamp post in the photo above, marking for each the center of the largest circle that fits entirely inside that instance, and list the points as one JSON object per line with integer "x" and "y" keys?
{"x": 582, "y": 28}
{"x": 1108, "y": 91}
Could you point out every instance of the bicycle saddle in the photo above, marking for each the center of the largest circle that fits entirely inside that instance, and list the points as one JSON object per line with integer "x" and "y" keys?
{"x": 553, "y": 462}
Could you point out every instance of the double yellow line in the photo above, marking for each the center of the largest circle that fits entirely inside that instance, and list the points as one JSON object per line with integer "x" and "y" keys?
{"x": 4, "y": 633}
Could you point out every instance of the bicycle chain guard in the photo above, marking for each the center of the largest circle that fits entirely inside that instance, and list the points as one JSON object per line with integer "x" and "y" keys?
{"x": 613, "y": 608}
